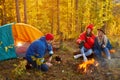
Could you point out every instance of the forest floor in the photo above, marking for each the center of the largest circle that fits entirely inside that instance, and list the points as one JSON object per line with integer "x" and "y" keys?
{"x": 67, "y": 69}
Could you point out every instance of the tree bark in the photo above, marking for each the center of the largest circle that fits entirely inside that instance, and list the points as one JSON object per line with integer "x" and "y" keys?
{"x": 71, "y": 16}
{"x": 76, "y": 20}
{"x": 52, "y": 22}
{"x": 25, "y": 12}
{"x": 58, "y": 16}
{"x": 37, "y": 11}
{"x": 3, "y": 13}
{"x": 17, "y": 11}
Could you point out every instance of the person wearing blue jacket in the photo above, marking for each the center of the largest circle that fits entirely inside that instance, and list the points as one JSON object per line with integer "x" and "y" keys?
{"x": 37, "y": 50}
{"x": 102, "y": 44}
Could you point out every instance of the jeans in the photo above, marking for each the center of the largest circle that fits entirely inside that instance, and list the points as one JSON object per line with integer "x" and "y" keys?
{"x": 42, "y": 67}
{"x": 98, "y": 53}
{"x": 85, "y": 51}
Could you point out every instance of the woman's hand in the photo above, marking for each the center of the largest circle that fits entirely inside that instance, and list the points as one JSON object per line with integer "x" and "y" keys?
{"x": 103, "y": 46}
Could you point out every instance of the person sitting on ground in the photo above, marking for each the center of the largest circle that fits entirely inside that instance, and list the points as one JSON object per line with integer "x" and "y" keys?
{"x": 37, "y": 50}
{"x": 86, "y": 43}
{"x": 102, "y": 44}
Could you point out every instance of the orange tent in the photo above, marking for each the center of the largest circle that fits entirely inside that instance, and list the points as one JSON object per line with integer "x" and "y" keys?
{"x": 15, "y": 39}
{"x": 23, "y": 35}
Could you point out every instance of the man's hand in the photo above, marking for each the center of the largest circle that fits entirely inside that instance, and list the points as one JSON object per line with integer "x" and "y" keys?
{"x": 50, "y": 59}
{"x": 49, "y": 64}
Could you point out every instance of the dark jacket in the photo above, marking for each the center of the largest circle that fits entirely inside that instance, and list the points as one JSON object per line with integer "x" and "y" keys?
{"x": 99, "y": 47}
{"x": 39, "y": 48}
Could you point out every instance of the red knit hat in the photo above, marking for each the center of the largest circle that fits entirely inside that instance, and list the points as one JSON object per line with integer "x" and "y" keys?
{"x": 49, "y": 36}
{"x": 90, "y": 26}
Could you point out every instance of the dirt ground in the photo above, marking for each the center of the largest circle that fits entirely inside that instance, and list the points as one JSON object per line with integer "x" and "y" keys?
{"x": 67, "y": 69}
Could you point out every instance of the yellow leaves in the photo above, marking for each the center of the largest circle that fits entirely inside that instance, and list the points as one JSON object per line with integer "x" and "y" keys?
{"x": 33, "y": 58}
{"x": 39, "y": 61}
{"x": 39, "y": 2}
{"x": 0, "y": 7}
{"x": 43, "y": 15}
{"x": 1, "y": 42}
{"x": 8, "y": 47}
{"x": 19, "y": 69}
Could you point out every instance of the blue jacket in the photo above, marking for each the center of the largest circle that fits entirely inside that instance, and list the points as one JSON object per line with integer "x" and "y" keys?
{"x": 39, "y": 48}
{"x": 99, "y": 47}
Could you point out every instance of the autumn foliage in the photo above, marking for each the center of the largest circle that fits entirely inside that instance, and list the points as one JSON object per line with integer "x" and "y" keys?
{"x": 64, "y": 18}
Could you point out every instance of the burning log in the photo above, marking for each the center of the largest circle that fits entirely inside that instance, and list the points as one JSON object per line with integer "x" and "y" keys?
{"x": 88, "y": 66}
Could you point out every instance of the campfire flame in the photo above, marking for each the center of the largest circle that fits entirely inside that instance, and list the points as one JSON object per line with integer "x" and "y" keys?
{"x": 85, "y": 65}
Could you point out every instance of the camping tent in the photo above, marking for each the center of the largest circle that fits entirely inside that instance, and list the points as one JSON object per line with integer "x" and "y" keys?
{"x": 15, "y": 38}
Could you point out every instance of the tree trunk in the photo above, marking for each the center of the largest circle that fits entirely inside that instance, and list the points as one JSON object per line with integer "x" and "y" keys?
{"x": 76, "y": 20}
{"x": 17, "y": 11}
{"x": 58, "y": 16}
{"x": 3, "y": 13}
{"x": 52, "y": 22}
{"x": 82, "y": 27}
{"x": 71, "y": 16}
{"x": 37, "y": 10}
{"x": 104, "y": 16}
{"x": 67, "y": 14}
{"x": 25, "y": 12}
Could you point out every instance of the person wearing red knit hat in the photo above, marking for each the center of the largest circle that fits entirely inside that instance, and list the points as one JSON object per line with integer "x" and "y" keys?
{"x": 49, "y": 36}
{"x": 37, "y": 50}
{"x": 86, "y": 42}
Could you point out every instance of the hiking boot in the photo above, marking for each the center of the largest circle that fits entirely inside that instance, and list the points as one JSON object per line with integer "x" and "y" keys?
{"x": 109, "y": 57}
{"x": 77, "y": 56}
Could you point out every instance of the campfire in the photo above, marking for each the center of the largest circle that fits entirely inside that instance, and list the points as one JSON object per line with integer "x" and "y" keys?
{"x": 88, "y": 66}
